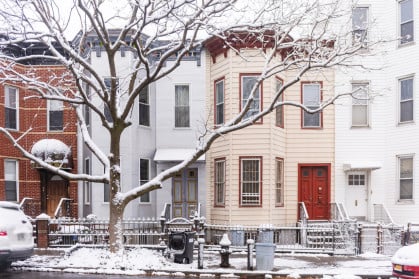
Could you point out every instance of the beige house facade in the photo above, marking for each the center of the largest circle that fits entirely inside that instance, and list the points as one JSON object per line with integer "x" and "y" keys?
{"x": 260, "y": 174}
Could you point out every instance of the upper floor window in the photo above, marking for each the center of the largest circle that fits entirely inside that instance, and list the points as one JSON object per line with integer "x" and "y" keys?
{"x": 406, "y": 178}
{"x": 406, "y": 99}
{"x": 144, "y": 178}
{"x": 182, "y": 106}
{"x": 311, "y": 99}
{"x": 279, "y": 182}
{"x": 86, "y": 110}
{"x": 406, "y": 21}
{"x": 144, "y": 107}
{"x": 279, "y": 113}
{"x": 219, "y": 102}
{"x": 55, "y": 115}
{"x": 248, "y": 82}
{"x": 106, "y": 110}
{"x": 11, "y": 106}
{"x": 86, "y": 184}
{"x": 11, "y": 180}
{"x": 360, "y": 25}
{"x": 251, "y": 182}
{"x": 360, "y": 104}
{"x": 219, "y": 182}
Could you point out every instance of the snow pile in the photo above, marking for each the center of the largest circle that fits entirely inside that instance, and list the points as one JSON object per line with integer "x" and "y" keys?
{"x": 51, "y": 150}
{"x": 408, "y": 255}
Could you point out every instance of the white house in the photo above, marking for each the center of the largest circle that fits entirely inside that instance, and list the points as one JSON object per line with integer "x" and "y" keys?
{"x": 376, "y": 132}
{"x": 165, "y": 123}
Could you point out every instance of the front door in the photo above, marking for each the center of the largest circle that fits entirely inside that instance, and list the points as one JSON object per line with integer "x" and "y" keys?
{"x": 356, "y": 199}
{"x": 57, "y": 189}
{"x": 185, "y": 194}
{"x": 314, "y": 190}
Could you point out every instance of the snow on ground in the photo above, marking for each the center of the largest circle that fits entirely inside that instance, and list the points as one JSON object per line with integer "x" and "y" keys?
{"x": 144, "y": 261}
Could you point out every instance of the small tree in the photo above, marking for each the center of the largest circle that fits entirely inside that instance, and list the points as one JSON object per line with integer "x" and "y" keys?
{"x": 301, "y": 36}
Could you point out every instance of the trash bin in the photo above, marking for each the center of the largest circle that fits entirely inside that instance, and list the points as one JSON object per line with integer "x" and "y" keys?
{"x": 265, "y": 236}
{"x": 237, "y": 237}
{"x": 265, "y": 253}
{"x": 181, "y": 245}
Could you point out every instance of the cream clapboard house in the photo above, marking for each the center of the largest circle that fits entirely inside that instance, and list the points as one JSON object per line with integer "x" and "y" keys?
{"x": 258, "y": 175}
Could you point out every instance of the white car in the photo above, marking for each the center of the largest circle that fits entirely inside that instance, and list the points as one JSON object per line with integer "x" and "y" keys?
{"x": 16, "y": 234}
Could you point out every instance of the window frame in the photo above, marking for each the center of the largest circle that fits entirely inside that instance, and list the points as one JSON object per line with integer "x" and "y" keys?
{"x": 399, "y": 178}
{"x": 400, "y": 101}
{"x": 279, "y": 112}
{"x": 87, "y": 193}
{"x": 16, "y": 108}
{"x": 303, "y": 112}
{"x": 218, "y": 104}
{"x": 146, "y": 122}
{"x": 365, "y": 85}
{"x": 242, "y": 100}
{"x": 143, "y": 181}
{"x": 16, "y": 181}
{"x": 61, "y": 128}
{"x": 218, "y": 184}
{"x": 359, "y": 174}
{"x": 363, "y": 29}
{"x": 402, "y": 41}
{"x": 241, "y": 180}
{"x": 279, "y": 185}
{"x": 176, "y": 107}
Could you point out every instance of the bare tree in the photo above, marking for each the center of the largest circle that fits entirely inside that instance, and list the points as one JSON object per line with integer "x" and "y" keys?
{"x": 298, "y": 36}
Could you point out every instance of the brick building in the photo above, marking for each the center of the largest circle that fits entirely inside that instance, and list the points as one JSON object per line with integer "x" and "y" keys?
{"x": 35, "y": 121}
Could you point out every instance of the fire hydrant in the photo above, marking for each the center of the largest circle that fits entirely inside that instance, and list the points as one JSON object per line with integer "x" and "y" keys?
{"x": 225, "y": 251}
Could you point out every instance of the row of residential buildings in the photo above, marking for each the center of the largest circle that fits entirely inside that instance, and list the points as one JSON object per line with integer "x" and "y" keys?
{"x": 359, "y": 152}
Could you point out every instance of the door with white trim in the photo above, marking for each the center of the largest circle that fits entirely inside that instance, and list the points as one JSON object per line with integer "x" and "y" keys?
{"x": 357, "y": 194}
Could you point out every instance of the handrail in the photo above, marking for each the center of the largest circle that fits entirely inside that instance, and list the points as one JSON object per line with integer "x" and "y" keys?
{"x": 24, "y": 201}
{"x": 385, "y": 215}
{"x": 58, "y": 209}
{"x": 165, "y": 214}
{"x": 303, "y": 212}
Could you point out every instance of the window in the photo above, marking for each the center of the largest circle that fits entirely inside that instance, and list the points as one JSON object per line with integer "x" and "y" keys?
{"x": 359, "y": 25}
{"x": 219, "y": 102}
{"x": 356, "y": 179}
{"x": 86, "y": 184}
{"x": 55, "y": 115}
{"x": 106, "y": 110}
{"x": 219, "y": 182}
{"x": 181, "y": 106}
{"x": 311, "y": 99}
{"x": 144, "y": 177}
{"x": 406, "y": 178}
{"x": 279, "y": 114}
{"x": 406, "y": 21}
{"x": 144, "y": 107}
{"x": 106, "y": 192}
{"x": 279, "y": 182}
{"x": 406, "y": 99}
{"x": 247, "y": 84}
{"x": 11, "y": 180}
{"x": 11, "y": 106}
{"x": 251, "y": 184}
{"x": 360, "y": 104}
{"x": 86, "y": 107}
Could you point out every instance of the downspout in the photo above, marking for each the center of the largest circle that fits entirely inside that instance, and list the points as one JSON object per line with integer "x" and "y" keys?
{"x": 80, "y": 208}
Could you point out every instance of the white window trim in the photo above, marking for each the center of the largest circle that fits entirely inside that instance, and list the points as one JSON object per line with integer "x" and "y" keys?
{"x": 364, "y": 173}
{"x": 149, "y": 109}
{"x": 259, "y": 159}
{"x": 17, "y": 106}
{"x": 17, "y": 175}
{"x": 399, "y": 24}
{"x": 367, "y": 85}
{"x": 405, "y": 201}
{"x": 319, "y": 85}
{"x": 87, "y": 184}
{"x": 48, "y": 116}
{"x": 139, "y": 173}
{"x": 366, "y": 39}
{"x": 399, "y": 99}
{"x": 189, "y": 105}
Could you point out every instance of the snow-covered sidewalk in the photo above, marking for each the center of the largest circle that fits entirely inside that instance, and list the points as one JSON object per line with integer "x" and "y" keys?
{"x": 139, "y": 261}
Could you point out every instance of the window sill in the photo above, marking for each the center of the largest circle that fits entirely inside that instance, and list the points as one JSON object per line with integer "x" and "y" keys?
{"x": 360, "y": 127}
{"x": 144, "y": 127}
{"x": 182, "y": 128}
{"x": 145, "y": 203}
{"x": 412, "y": 122}
{"x": 405, "y": 202}
{"x": 400, "y": 46}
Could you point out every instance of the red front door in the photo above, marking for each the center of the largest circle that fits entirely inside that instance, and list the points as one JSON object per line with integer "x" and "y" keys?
{"x": 314, "y": 190}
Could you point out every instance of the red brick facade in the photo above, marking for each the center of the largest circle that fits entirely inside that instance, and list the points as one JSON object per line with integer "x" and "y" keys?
{"x": 32, "y": 114}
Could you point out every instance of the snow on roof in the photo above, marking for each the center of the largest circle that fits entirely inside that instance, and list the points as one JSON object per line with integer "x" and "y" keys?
{"x": 175, "y": 154}
{"x": 407, "y": 255}
{"x": 49, "y": 146}
{"x": 361, "y": 165}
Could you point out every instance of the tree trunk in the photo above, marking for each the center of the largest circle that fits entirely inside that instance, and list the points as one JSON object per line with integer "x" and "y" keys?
{"x": 116, "y": 238}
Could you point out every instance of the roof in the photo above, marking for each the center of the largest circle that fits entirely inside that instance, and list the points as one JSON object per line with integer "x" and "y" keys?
{"x": 361, "y": 165}
{"x": 174, "y": 154}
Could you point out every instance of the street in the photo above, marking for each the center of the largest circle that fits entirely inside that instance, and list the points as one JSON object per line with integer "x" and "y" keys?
{"x": 17, "y": 274}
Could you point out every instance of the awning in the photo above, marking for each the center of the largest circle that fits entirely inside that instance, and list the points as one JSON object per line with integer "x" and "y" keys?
{"x": 53, "y": 152}
{"x": 361, "y": 165}
{"x": 174, "y": 154}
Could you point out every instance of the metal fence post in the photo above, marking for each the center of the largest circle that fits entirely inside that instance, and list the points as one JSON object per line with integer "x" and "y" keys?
{"x": 379, "y": 239}
{"x": 250, "y": 246}
{"x": 201, "y": 243}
